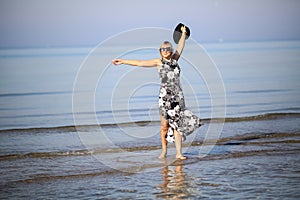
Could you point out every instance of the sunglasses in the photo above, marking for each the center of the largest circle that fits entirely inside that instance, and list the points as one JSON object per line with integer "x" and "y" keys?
{"x": 166, "y": 49}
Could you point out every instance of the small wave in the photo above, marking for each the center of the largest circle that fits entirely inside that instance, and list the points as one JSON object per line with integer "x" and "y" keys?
{"x": 73, "y": 128}
{"x": 235, "y": 140}
{"x": 268, "y": 116}
{"x": 45, "y": 154}
{"x": 75, "y": 152}
{"x": 260, "y": 91}
{"x": 46, "y": 177}
{"x": 34, "y": 93}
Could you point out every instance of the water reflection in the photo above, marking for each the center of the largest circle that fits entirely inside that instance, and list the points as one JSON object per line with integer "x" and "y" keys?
{"x": 174, "y": 185}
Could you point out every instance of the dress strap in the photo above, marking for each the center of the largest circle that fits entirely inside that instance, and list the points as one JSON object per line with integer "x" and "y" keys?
{"x": 165, "y": 61}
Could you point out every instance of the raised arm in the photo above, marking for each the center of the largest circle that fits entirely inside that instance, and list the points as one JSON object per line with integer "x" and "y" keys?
{"x": 181, "y": 43}
{"x": 138, "y": 63}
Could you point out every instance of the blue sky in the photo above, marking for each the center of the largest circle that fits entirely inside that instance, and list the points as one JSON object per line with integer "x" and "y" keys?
{"x": 26, "y": 23}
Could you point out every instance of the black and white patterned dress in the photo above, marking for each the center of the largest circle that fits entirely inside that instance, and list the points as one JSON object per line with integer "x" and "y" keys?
{"x": 171, "y": 102}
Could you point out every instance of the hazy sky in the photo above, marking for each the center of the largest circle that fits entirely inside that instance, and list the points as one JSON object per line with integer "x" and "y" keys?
{"x": 88, "y": 22}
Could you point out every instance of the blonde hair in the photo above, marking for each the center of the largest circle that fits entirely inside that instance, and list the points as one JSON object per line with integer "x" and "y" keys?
{"x": 166, "y": 43}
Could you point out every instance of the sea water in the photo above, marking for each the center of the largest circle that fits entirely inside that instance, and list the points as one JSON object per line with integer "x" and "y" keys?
{"x": 37, "y": 85}
{"x": 103, "y": 147}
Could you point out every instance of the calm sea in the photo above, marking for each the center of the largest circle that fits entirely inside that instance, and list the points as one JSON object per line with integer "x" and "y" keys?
{"x": 37, "y": 85}
{"x": 53, "y": 99}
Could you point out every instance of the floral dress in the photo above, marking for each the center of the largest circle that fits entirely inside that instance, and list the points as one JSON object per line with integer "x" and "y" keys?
{"x": 171, "y": 102}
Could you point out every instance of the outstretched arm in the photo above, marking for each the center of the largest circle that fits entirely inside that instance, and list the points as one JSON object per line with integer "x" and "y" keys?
{"x": 139, "y": 63}
{"x": 181, "y": 43}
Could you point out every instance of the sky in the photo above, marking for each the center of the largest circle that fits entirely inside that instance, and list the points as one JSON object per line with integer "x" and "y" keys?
{"x": 44, "y": 23}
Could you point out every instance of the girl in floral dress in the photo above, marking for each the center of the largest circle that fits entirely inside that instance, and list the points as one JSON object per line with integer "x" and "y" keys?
{"x": 176, "y": 120}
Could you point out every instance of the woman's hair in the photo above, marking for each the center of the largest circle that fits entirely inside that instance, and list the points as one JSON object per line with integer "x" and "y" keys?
{"x": 167, "y": 43}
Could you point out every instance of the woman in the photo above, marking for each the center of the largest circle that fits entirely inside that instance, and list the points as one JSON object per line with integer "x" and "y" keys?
{"x": 176, "y": 120}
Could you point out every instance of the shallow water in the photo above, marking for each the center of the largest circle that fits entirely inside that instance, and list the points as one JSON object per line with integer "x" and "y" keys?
{"x": 272, "y": 176}
{"x": 60, "y": 166}
{"x": 250, "y": 169}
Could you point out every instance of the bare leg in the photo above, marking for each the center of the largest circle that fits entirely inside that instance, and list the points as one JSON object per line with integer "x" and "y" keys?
{"x": 163, "y": 133}
{"x": 178, "y": 143}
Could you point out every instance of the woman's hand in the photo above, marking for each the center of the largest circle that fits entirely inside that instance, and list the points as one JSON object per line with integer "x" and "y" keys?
{"x": 183, "y": 29}
{"x": 117, "y": 62}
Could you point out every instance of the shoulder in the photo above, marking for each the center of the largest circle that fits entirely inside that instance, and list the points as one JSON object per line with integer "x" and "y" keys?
{"x": 157, "y": 61}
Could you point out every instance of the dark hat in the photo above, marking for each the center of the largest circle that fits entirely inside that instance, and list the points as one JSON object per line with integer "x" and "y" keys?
{"x": 177, "y": 33}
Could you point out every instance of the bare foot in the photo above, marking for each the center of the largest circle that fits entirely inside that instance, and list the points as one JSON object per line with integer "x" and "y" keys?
{"x": 163, "y": 155}
{"x": 181, "y": 157}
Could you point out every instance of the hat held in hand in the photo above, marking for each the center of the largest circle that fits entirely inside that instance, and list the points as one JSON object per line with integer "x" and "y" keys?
{"x": 177, "y": 33}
